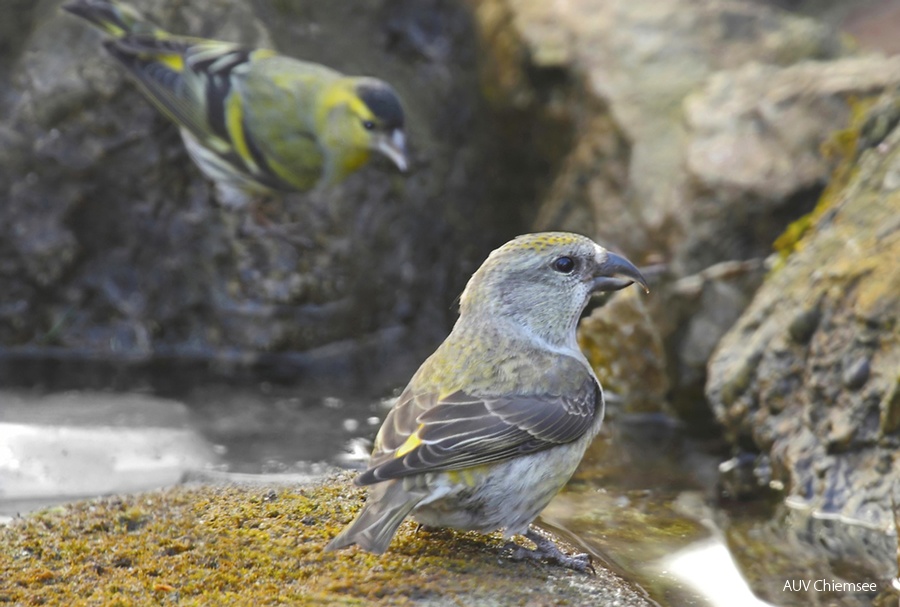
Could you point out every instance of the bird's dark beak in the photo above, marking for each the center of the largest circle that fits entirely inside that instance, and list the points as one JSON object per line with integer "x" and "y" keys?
{"x": 615, "y": 272}
{"x": 393, "y": 145}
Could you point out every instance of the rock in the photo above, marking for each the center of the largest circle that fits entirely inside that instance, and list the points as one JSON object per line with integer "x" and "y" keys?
{"x": 690, "y": 136}
{"x": 252, "y": 544}
{"x": 794, "y": 544}
{"x": 754, "y": 152}
{"x": 699, "y": 309}
{"x": 809, "y": 372}
{"x": 640, "y": 82}
{"x": 631, "y": 368}
{"x": 872, "y": 23}
{"x": 686, "y": 135}
{"x": 114, "y": 247}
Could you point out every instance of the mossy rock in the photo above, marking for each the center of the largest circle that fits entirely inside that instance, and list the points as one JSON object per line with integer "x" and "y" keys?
{"x": 255, "y": 545}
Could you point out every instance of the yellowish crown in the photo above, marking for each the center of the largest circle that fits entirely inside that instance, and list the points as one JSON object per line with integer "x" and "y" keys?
{"x": 545, "y": 240}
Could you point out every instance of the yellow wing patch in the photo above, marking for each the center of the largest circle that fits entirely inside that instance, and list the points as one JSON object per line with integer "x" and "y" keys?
{"x": 413, "y": 440}
{"x": 409, "y": 444}
{"x": 173, "y": 62}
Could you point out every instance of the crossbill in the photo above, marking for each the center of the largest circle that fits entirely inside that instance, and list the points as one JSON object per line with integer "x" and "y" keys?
{"x": 494, "y": 423}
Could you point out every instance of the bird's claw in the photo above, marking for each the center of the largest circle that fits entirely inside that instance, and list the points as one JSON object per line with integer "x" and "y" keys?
{"x": 425, "y": 528}
{"x": 546, "y": 550}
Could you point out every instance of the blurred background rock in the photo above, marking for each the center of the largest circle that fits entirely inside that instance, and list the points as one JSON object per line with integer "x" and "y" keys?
{"x": 114, "y": 249}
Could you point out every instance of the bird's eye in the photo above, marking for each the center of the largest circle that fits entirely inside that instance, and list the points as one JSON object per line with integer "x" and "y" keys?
{"x": 368, "y": 125}
{"x": 564, "y": 265}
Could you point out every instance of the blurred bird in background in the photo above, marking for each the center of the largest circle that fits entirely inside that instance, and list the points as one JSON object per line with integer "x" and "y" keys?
{"x": 255, "y": 122}
{"x": 494, "y": 423}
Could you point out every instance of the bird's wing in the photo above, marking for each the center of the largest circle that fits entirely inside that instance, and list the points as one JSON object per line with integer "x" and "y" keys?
{"x": 185, "y": 77}
{"x": 195, "y": 82}
{"x": 425, "y": 433}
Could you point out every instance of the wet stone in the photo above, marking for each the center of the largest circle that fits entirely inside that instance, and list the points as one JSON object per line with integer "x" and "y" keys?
{"x": 804, "y": 325}
{"x": 857, "y": 373}
{"x": 889, "y": 418}
{"x": 738, "y": 478}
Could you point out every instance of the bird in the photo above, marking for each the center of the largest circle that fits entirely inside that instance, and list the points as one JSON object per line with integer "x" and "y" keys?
{"x": 495, "y": 421}
{"x": 255, "y": 122}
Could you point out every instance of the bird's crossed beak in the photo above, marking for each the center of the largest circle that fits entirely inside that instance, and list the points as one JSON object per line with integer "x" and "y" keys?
{"x": 614, "y": 272}
{"x": 393, "y": 145}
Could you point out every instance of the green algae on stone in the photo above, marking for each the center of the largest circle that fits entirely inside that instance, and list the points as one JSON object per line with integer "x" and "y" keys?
{"x": 871, "y": 120}
{"x": 252, "y": 545}
{"x": 816, "y": 394}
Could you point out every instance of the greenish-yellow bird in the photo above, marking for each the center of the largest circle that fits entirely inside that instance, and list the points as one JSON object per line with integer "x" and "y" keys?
{"x": 254, "y": 121}
{"x": 494, "y": 423}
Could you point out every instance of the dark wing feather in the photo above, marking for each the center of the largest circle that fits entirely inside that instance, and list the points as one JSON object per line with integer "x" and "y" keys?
{"x": 164, "y": 85}
{"x": 193, "y": 96}
{"x": 196, "y": 95}
{"x": 461, "y": 430}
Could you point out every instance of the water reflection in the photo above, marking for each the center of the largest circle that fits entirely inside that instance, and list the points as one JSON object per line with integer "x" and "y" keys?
{"x": 708, "y": 568}
{"x": 276, "y": 429}
{"x": 68, "y": 446}
{"x": 647, "y": 501}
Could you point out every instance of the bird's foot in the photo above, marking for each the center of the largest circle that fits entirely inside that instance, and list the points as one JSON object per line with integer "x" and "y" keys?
{"x": 259, "y": 216}
{"x": 257, "y": 222}
{"x": 425, "y": 528}
{"x": 546, "y": 550}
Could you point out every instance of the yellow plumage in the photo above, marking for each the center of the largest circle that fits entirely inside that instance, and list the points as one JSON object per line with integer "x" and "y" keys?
{"x": 252, "y": 120}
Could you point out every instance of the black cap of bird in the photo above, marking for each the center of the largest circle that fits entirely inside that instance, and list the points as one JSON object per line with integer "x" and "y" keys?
{"x": 494, "y": 423}
{"x": 252, "y": 120}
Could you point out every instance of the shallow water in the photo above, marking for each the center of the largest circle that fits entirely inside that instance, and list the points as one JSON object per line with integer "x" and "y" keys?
{"x": 645, "y": 501}
{"x": 648, "y": 501}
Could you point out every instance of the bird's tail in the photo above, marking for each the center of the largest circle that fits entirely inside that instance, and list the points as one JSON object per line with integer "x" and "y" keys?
{"x": 115, "y": 18}
{"x": 374, "y": 528}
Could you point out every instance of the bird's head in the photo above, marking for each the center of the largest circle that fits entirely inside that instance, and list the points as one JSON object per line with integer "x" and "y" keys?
{"x": 363, "y": 115}
{"x": 542, "y": 282}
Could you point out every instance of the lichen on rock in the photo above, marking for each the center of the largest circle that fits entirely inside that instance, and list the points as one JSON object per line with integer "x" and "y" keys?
{"x": 253, "y": 545}
{"x": 809, "y": 373}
